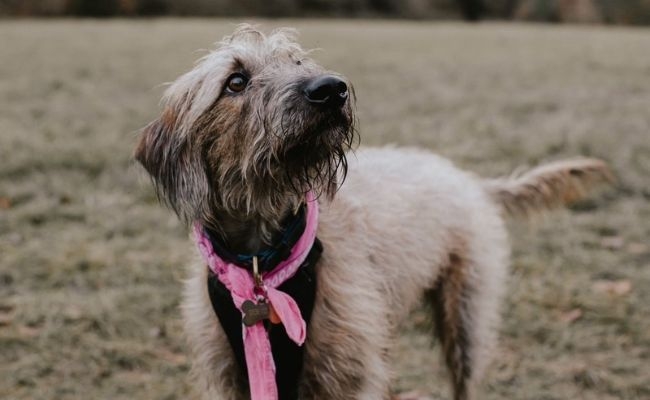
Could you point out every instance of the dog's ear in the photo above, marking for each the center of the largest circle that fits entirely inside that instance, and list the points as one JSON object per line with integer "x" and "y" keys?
{"x": 177, "y": 173}
{"x": 155, "y": 143}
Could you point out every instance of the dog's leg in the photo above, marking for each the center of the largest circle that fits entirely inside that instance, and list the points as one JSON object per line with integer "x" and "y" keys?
{"x": 465, "y": 308}
{"x": 347, "y": 349}
{"x": 213, "y": 365}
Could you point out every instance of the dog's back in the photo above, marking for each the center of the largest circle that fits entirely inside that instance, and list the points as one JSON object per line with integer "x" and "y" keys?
{"x": 416, "y": 225}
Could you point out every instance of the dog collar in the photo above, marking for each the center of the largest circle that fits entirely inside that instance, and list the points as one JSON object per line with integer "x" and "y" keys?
{"x": 258, "y": 297}
{"x": 267, "y": 258}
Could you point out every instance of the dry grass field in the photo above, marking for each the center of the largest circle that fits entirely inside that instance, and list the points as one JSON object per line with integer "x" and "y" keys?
{"x": 91, "y": 266}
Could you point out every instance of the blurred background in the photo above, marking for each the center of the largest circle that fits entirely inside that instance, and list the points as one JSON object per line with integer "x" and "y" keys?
{"x": 589, "y": 11}
{"x": 91, "y": 266}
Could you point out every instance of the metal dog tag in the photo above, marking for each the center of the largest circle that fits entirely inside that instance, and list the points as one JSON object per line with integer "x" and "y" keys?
{"x": 254, "y": 313}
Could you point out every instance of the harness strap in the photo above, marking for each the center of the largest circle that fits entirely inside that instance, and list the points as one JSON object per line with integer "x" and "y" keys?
{"x": 258, "y": 297}
{"x": 288, "y": 355}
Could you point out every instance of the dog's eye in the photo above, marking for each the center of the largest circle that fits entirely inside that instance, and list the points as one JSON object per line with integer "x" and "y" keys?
{"x": 236, "y": 83}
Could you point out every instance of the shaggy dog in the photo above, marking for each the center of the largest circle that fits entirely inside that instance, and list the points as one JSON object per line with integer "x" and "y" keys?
{"x": 256, "y": 127}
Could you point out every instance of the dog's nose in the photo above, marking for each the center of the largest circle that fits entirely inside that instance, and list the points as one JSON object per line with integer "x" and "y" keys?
{"x": 327, "y": 91}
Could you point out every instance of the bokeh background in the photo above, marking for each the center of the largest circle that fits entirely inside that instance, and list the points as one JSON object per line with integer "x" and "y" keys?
{"x": 585, "y": 11}
{"x": 91, "y": 266}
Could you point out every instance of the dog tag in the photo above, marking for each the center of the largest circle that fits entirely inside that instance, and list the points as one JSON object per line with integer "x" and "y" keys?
{"x": 254, "y": 313}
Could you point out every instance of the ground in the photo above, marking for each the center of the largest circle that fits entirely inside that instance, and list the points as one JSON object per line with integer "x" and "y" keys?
{"x": 91, "y": 266}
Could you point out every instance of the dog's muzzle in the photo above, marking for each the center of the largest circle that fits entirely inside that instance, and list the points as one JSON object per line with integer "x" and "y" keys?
{"x": 326, "y": 91}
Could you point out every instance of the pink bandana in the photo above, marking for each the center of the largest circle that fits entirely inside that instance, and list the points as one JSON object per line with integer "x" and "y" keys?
{"x": 241, "y": 284}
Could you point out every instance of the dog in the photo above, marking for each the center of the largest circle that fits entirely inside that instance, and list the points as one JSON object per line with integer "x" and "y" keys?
{"x": 255, "y": 141}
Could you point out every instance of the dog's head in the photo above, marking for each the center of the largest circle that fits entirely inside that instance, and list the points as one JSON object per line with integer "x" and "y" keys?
{"x": 255, "y": 124}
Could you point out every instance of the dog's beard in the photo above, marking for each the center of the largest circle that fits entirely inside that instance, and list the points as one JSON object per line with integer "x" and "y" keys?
{"x": 295, "y": 149}
{"x": 312, "y": 153}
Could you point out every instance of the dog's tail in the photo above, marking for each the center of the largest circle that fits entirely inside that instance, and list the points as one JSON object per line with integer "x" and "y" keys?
{"x": 548, "y": 186}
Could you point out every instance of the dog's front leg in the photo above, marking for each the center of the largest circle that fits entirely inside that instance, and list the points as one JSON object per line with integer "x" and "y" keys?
{"x": 347, "y": 352}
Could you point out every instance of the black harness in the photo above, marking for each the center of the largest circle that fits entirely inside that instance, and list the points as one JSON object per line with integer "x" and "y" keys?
{"x": 287, "y": 355}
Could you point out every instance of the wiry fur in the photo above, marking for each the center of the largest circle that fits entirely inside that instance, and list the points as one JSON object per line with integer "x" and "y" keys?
{"x": 549, "y": 186}
{"x": 207, "y": 161}
{"x": 406, "y": 225}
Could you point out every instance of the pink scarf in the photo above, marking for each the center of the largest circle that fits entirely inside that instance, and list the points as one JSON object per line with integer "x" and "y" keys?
{"x": 241, "y": 284}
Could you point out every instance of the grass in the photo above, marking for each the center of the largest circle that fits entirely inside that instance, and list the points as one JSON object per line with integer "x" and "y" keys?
{"x": 91, "y": 266}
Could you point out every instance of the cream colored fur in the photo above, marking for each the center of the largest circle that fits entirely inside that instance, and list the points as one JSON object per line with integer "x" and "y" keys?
{"x": 405, "y": 226}
{"x": 387, "y": 236}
